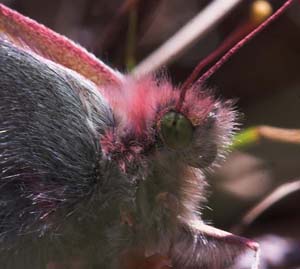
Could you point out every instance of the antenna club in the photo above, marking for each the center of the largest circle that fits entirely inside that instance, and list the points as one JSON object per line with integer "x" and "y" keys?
{"x": 260, "y": 10}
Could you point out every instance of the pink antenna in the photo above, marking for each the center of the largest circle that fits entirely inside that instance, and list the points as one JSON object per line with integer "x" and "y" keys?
{"x": 241, "y": 31}
{"x": 225, "y": 46}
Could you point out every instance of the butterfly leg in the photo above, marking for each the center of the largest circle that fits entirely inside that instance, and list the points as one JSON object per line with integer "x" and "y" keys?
{"x": 135, "y": 259}
{"x": 54, "y": 265}
{"x": 74, "y": 264}
{"x": 156, "y": 261}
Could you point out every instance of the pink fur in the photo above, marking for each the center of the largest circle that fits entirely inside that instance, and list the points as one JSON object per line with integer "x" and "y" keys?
{"x": 139, "y": 104}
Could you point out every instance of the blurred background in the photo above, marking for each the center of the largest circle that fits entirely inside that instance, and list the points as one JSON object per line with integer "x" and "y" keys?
{"x": 263, "y": 77}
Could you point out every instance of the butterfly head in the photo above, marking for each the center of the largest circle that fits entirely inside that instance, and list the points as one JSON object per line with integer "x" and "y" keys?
{"x": 149, "y": 123}
{"x": 163, "y": 148}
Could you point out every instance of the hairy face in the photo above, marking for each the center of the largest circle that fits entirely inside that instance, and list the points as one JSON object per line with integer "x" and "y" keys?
{"x": 164, "y": 149}
{"x": 148, "y": 121}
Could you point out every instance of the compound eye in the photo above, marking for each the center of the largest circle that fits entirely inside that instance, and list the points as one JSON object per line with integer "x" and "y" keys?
{"x": 176, "y": 130}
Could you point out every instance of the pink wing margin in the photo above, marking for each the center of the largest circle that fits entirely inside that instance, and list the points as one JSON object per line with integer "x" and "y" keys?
{"x": 29, "y": 35}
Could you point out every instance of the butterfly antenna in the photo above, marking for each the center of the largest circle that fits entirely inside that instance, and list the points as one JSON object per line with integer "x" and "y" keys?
{"x": 231, "y": 44}
{"x": 241, "y": 31}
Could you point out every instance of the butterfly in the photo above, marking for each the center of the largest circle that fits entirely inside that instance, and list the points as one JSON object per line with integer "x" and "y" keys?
{"x": 100, "y": 169}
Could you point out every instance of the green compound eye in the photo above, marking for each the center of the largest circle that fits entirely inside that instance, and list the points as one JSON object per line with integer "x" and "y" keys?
{"x": 176, "y": 130}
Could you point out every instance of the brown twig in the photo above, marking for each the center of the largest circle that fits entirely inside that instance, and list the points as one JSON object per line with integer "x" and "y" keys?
{"x": 274, "y": 197}
{"x": 279, "y": 134}
{"x": 255, "y": 134}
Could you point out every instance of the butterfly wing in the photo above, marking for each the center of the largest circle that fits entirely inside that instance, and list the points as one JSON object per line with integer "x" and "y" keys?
{"x": 51, "y": 163}
{"x": 203, "y": 246}
{"x": 52, "y": 174}
{"x": 32, "y": 36}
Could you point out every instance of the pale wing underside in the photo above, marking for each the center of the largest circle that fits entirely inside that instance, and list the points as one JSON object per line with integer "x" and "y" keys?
{"x": 202, "y": 246}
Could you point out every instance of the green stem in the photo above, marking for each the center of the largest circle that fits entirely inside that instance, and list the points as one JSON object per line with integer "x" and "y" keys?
{"x": 245, "y": 138}
{"x": 131, "y": 39}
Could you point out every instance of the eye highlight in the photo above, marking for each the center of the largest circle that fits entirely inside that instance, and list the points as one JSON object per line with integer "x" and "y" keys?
{"x": 176, "y": 130}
